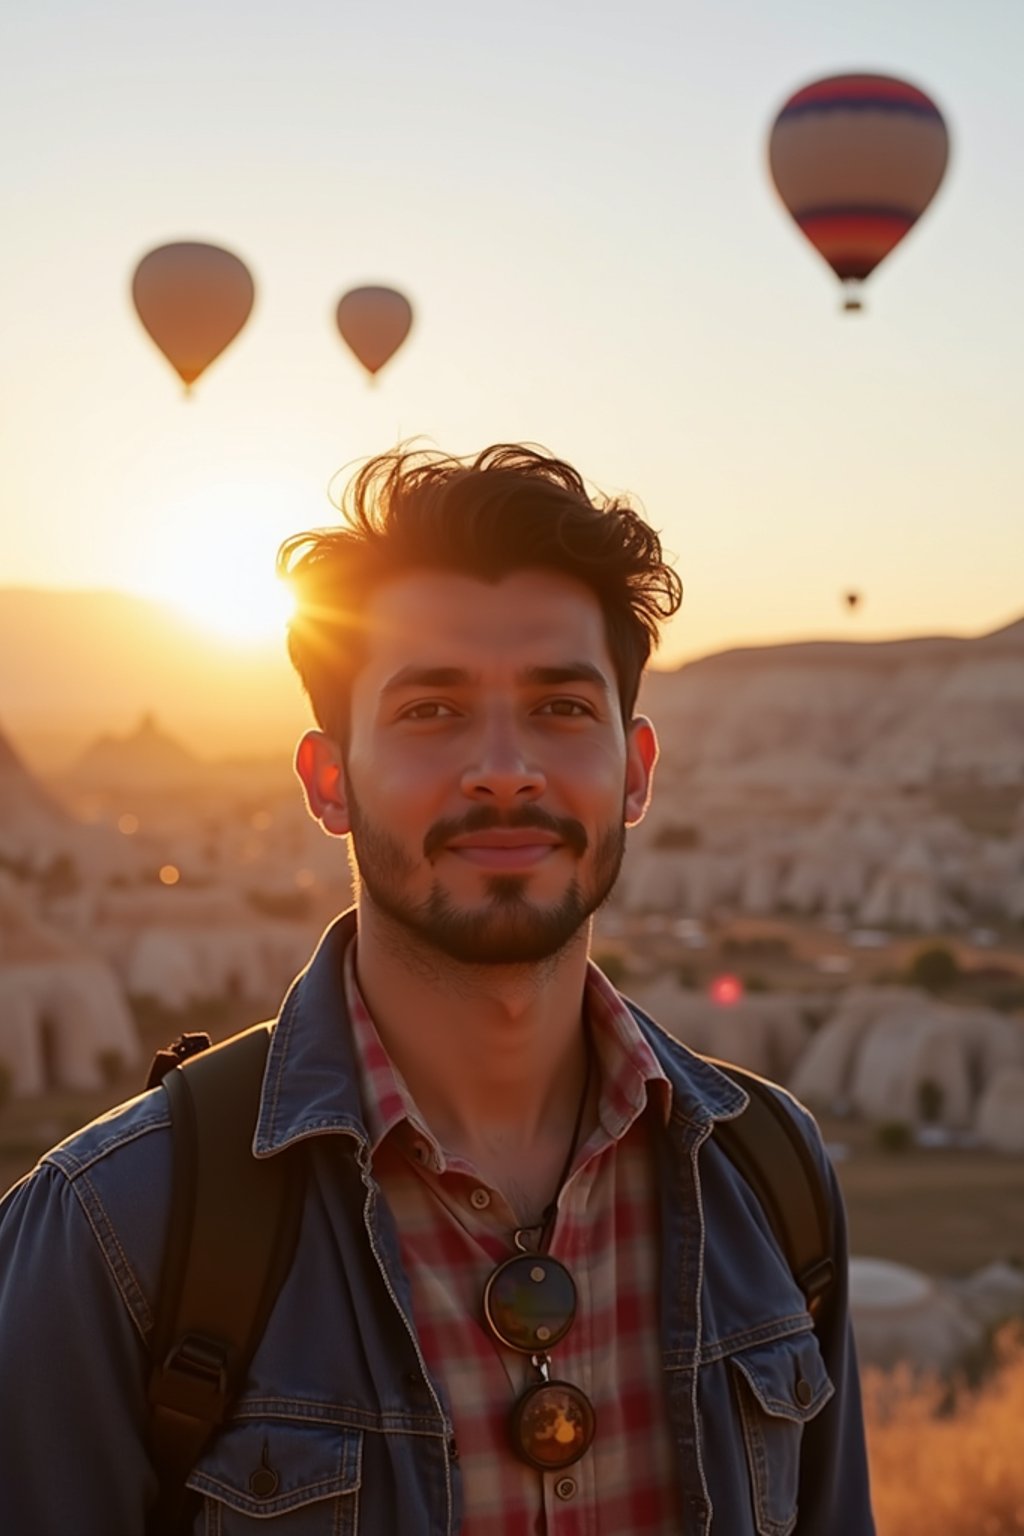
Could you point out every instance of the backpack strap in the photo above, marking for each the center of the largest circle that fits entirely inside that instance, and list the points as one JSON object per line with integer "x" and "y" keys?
{"x": 767, "y": 1147}
{"x": 231, "y": 1238}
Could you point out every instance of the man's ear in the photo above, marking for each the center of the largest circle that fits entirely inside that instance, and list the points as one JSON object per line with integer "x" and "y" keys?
{"x": 641, "y": 756}
{"x": 319, "y": 765}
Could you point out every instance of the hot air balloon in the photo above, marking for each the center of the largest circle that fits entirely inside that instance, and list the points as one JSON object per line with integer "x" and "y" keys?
{"x": 857, "y": 159}
{"x": 193, "y": 299}
{"x": 852, "y": 600}
{"x": 374, "y": 322}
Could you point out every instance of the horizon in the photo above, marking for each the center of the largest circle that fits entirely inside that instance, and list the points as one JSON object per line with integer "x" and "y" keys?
{"x": 668, "y": 657}
{"x": 254, "y": 707}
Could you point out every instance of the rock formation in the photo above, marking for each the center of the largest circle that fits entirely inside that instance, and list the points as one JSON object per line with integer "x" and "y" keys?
{"x": 900, "y": 1314}
{"x": 1000, "y": 1121}
{"x": 890, "y": 1053}
{"x": 64, "y": 1021}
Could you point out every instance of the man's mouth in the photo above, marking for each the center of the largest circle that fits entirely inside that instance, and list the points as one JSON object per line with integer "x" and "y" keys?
{"x": 505, "y": 848}
{"x": 485, "y": 837}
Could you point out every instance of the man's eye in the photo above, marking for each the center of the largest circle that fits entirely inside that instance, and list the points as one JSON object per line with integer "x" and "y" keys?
{"x": 569, "y": 709}
{"x": 429, "y": 710}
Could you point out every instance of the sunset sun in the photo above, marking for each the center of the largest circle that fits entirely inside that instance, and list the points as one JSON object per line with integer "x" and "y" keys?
{"x": 212, "y": 560}
{"x": 247, "y": 606}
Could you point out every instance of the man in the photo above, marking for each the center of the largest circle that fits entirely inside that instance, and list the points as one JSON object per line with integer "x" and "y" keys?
{"x": 530, "y": 1292}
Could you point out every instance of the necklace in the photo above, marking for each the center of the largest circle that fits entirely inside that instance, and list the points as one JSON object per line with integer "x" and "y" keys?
{"x": 547, "y": 1216}
{"x": 529, "y": 1305}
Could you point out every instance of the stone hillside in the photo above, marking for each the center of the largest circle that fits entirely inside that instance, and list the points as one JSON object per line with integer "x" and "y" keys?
{"x": 916, "y": 712}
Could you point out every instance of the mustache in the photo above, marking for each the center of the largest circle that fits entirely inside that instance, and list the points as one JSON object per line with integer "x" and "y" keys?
{"x": 482, "y": 818}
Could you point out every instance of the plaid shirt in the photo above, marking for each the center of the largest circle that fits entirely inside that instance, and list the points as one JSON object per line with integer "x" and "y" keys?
{"x": 455, "y": 1229}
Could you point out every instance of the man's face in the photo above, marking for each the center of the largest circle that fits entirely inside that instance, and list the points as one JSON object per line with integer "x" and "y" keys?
{"x": 489, "y": 778}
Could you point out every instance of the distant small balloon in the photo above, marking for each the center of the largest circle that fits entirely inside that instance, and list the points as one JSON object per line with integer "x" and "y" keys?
{"x": 373, "y": 323}
{"x": 852, "y": 600}
{"x": 193, "y": 299}
{"x": 857, "y": 159}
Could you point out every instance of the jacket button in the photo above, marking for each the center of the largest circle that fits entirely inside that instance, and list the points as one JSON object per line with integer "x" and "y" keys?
{"x": 263, "y": 1483}
{"x": 803, "y": 1392}
{"x": 566, "y": 1488}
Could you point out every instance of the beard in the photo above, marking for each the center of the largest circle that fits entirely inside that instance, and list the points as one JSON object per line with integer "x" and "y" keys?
{"x": 509, "y": 928}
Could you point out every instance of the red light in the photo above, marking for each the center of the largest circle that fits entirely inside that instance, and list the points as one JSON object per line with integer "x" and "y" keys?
{"x": 726, "y": 991}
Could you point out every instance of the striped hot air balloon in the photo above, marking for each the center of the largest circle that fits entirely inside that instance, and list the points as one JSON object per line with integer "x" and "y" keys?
{"x": 857, "y": 159}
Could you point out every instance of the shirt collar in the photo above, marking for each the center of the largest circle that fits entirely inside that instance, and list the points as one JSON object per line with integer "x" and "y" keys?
{"x": 313, "y": 1081}
{"x": 630, "y": 1072}
{"x": 387, "y": 1102}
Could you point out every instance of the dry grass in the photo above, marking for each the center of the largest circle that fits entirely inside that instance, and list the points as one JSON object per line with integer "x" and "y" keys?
{"x": 949, "y": 1473}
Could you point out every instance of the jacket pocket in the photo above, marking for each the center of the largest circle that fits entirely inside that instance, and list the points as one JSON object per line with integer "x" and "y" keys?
{"x": 281, "y": 1478}
{"x": 780, "y": 1387}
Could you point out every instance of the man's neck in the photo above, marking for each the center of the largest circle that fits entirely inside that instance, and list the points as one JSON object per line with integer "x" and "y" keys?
{"x": 493, "y": 1055}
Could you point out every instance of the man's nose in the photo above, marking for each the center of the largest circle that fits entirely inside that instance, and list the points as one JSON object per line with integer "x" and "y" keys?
{"x": 503, "y": 773}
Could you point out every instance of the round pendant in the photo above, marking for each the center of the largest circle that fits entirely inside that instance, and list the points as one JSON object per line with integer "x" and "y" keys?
{"x": 552, "y": 1425}
{"x": 530, "y": 1302}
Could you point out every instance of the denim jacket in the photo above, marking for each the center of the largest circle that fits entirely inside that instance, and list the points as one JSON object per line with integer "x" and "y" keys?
{"x": 764, "y": 1408}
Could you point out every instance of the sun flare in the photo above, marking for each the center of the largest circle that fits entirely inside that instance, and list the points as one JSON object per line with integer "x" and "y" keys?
{"x": 211, "y": 559}
{"x": 248, "y": 607}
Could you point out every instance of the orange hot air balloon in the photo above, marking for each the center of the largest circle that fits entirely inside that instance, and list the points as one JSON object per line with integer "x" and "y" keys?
{"x": 857, "y": 159}
{"x": 374, "y": 322}
{"x": 193, "y": 299}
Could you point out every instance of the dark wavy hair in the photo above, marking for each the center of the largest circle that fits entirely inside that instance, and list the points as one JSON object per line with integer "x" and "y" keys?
{"x": 510, "y": 508}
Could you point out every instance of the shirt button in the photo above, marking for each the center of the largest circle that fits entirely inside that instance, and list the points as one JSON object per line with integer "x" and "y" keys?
{"x": 566, "y": 1488}
{"x": 480, "y": 1199}
{"x": 804, "y": 1392}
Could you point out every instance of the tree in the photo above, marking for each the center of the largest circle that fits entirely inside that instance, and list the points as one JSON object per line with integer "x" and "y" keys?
{"x": 936, "y": 969}
{"x": 894, "y": 1136}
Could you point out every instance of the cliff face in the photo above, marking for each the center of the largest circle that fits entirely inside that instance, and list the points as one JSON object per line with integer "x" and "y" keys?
{"x": 882, "y": 783}
{"x": 913, "y": 712}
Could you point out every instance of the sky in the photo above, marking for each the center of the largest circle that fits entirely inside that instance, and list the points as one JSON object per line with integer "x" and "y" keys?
{"x": 575, "y": 199}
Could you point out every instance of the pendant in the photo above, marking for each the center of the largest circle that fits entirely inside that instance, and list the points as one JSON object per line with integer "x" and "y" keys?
{"x": 552, "y": 1423}
{"x": 530, "y": 1302}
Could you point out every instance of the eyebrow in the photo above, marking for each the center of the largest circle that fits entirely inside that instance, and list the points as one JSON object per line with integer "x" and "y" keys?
{"x": 571, "y": 672}
{"x": 458, "y": 677}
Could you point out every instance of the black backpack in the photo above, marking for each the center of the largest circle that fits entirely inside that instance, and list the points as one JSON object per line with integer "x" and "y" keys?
{"x": 234, "y": 1223}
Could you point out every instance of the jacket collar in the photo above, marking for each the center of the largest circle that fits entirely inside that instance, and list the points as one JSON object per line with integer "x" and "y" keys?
{"x": 310, "y": 1086}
